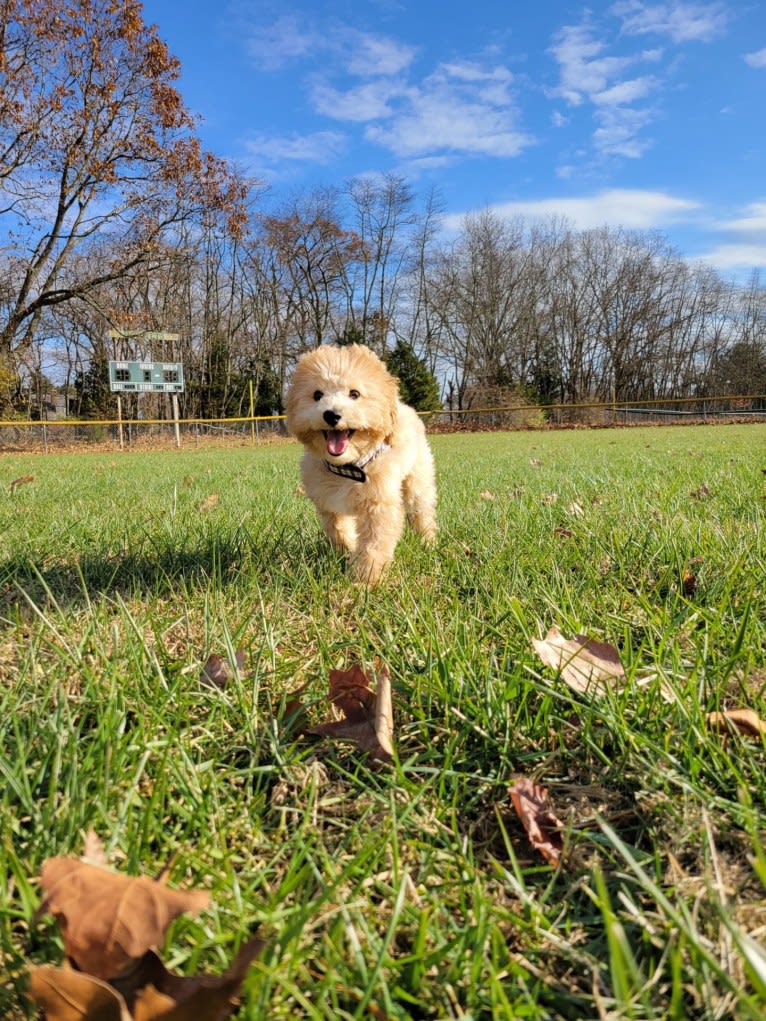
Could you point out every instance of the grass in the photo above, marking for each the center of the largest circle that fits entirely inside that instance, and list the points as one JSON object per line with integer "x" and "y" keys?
{"x": 409, "y": 891}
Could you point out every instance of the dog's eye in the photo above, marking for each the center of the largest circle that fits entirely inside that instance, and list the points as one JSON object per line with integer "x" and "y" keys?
{"x": 318, "y": 395}
{"x": 354, "y": 395}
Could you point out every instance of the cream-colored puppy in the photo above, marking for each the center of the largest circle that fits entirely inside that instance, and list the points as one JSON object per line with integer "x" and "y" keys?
{"x": 367, "y": 462}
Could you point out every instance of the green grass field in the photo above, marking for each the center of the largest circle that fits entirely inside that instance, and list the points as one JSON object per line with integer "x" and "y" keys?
{"x": 411, "y": 890}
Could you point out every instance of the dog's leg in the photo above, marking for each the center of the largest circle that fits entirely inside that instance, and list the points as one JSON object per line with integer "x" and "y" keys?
{"x": 340, "y": 530}
{"x": 379, "y": 532}
{"x": 420, "y": 500}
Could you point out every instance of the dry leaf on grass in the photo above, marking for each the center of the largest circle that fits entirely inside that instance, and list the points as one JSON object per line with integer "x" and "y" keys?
{"x": 544, "y": 830}
{"x": 587, "y": 666}
{"x": 93, "y": 849}
{"x": 744, "y": 721}
{"x": 218, "y": 671}
{"x": 23, "y": 480}
{"x": 208, "y": 503}
{"x": 152, "y": 991}
{"x": 486, "y": 495}
{"x": 703, "y": 493}
{"x": 63, "y": 994}
{"x": 147, "y": 992}
{"x": 368, "y": 714}
{"x": 109, "y": 920}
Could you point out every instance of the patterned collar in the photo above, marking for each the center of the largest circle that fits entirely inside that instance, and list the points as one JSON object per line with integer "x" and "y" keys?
{"x": 355, "y": 471}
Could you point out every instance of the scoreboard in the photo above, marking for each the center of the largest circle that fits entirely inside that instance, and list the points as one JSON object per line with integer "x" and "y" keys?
{"x": 146, "y": 377}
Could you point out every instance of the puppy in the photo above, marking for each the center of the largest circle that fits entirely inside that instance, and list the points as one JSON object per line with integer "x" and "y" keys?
{"x": 367, "y": 462}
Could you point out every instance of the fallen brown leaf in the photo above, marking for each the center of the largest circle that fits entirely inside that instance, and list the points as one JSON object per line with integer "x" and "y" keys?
{"x": 587, "y": 666}
{"x": 218, "y": 671}
{"x": 689, "y": 583}
{"x": 93, "y": 849}
{"x": 745, "y": 721}
{"x": 63, "y": 994}
{"x": 368, "y": 714}
{"x": 146, "y": 992}
{"x": 152, "y": 992}
{"x": 209, "y": 502}
{"x": 544, "y": 830}
{"x": 703, "y": 493}
{"x": 486, "y": 495}
{"x": 23, "y": 480}
{"x": 107, "y": 919}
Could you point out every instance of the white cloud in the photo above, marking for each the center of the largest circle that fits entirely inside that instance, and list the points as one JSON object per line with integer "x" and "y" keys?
{"x": 461, "y": 108}
{"x": 681, "y": 22}
{"x": 626, "y": 92}
{"x": 630, "y": 208}
{"x": 589, "y": 74}
{"x": 368, "y": 102}
{"x": 618, "y": 132}
{"x": 757, "y": 59}
{"x": 378, "y": 55}
{"x": 745, "y": 245}
{"x": 754, "y": 220}
{"x": 272, "y": 46}
{"x": 452, "y": 112}
{"x": 319, "y": 147}
{"x": 584, "y": 72}
{"x": 730, "y": 257}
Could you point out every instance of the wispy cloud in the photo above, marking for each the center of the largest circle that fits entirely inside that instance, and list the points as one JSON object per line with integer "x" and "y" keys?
{"x": 588, "y": 73}
{"x": 370, "y": 101}
{"x": 378, "y": 55}
{"x": 456, "y": 109}
{"x": 745, "y": 244}
{"x": 735, "y": 257}
{"x": 757, "y": 59}
{"x": 632, "y": 208}
{"x": 273, "y": 46}
{"x": 583, "y": 69}
{"x": 462, "y": 107}
{"x": 680, "y": 22}
{"x": 318, "y": 147}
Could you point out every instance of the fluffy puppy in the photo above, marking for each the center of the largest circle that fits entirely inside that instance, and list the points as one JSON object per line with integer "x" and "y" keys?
{"x": 367, "y": 463}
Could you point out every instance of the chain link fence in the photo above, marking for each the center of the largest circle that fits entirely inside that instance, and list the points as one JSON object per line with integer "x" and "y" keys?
{"x": 59, "y": 435}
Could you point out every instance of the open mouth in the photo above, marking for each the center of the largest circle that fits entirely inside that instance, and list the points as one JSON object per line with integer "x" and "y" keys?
{"x": 337, "y": 440}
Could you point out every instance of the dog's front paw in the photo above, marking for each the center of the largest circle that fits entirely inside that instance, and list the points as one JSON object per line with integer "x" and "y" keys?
{"x": 368, "y": 568}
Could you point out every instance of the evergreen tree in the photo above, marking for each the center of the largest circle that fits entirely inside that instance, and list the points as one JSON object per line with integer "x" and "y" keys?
{"x": 418, "y": 386}
{"x": 94, "y": 398}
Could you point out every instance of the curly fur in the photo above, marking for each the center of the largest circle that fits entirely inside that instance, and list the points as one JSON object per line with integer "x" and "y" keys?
{"x": 343, "y": 405}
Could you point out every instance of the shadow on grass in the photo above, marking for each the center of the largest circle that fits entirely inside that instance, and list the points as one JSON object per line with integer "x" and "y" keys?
{"x": 157, "y": 567}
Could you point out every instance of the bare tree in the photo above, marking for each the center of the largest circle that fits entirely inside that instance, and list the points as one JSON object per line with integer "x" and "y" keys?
{"x": 97, "y": 154}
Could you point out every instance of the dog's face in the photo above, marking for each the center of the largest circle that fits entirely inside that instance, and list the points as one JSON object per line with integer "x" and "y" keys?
{"x": 342, "y": 402}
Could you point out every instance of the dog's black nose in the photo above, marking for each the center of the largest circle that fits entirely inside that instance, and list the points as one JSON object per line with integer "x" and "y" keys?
{"x": 332, "y": 418}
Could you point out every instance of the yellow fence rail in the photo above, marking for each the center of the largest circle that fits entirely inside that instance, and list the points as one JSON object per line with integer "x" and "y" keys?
{"x": 34, "y": 433}
{"x": 703, "y": 404}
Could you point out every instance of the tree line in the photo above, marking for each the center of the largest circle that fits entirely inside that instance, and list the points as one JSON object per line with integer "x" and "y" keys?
{"x": 115, "y": 222}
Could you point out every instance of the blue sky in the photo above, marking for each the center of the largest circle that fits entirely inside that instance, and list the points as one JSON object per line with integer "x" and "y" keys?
{"x": 649, "y": 115}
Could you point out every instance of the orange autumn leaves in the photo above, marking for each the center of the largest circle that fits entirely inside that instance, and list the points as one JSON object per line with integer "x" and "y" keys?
{"x": 111, "y": 925}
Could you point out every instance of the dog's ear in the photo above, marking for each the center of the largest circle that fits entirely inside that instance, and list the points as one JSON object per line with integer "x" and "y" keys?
{"x": 392, "y": 396}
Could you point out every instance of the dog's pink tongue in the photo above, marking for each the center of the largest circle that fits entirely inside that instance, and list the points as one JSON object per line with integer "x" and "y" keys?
{"x": 337, "y": 441}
